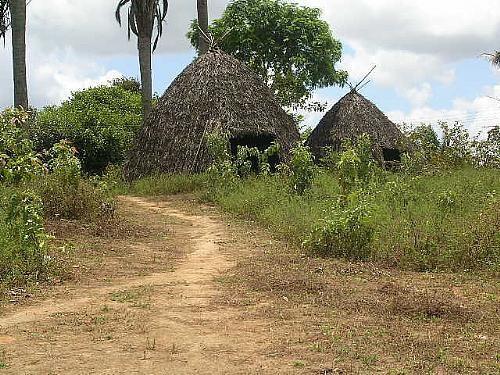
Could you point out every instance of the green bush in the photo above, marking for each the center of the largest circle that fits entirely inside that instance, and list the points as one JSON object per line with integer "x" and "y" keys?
{"x": 31, "y": 190}
{"x": 428, "y": 154}
{"x": 27, "y": 247}
{"x": 346, "y": 233}
{"x": 66, "y": 194}
{"x": 168, "y": 184}
{"x": 22, "y": 236}
{"x": 101, "y": 122}
{"x": 355, "y": 167}
{"x": 448, "y": 221}
{"x": 18, "y": 160}
{"x": 301, "y": 169}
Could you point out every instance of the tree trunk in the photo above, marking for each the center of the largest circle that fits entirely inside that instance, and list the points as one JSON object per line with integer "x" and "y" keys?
{"x": 18, "y": 19}
{"x": 203, "y": 23}
{"x": 144, "y": 47}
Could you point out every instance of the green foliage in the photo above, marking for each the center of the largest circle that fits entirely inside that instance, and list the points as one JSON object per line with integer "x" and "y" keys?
{"x": 75, "y": 199}
{"x": 289, "y": 46}
{"x": 101, "y": 122}
{"x": 448, "y": 221}
{"x": 31, "y": 190}
{"x": 18, "y": 161}
{"x": 64, "y": 162}
{"x": 346, "y": 233}
{"x": 223, "y": 172}
{"x": 487, "y": 152}
{"x": 301, "y": 169}
{"x": 424, "y": 145}
{"x": 169, "y": 184}
{"x": 127, "y": 83}
{"x": 355, "y": 166}
{"x": 428, "y": 154}
{"x": 456, "y": 145}
{"x": 436, "y": 222}
{"x": 249, "y": 160}
{"x": 66, "y": 194}
{"x": 23, "y": 242}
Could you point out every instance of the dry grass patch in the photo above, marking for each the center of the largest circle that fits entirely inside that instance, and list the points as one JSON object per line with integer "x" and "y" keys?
{"x": 335, "y": 316}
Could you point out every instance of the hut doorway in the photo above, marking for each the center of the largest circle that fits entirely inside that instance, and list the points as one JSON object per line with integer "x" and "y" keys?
{"x": 259, "y": 141}
{"x": 392, "y": 158}
{"x": 391, "y": 155}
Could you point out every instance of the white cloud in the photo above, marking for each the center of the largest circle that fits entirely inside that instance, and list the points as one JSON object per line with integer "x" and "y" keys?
{"x": 90, "y": 26}
{"x": 420, "y": 95}
{"x": 477, "y": 115}
{"x": 55, "y": 78}
{"x": 66, "y": 37}
{"x": 412, "y": 42}
{"x": 52, "y": 76}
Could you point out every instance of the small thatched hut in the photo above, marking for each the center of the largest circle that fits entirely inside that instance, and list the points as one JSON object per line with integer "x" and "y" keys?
{"x": 351, "y": 117}
{"x": 214, "y": 93}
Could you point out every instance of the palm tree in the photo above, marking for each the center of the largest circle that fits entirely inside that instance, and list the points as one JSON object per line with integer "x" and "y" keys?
{"x": 13, "y": 15}
{"x": 203, "y": 25}
{"x": 494, "y": 58}
{"x": 143, "y": 16}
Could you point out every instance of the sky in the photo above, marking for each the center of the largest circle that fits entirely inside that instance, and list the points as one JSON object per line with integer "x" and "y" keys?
{"x": 427, "y": 52}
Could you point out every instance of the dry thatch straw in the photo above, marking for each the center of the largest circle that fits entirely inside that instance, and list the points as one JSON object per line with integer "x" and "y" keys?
{"x": 351, "y": 117}
{"x": 215, "y": 92}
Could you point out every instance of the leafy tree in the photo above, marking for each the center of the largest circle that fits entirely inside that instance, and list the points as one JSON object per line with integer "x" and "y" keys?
{"x": 13, "y": 15}
{"x": 143, "y": 16}
{"x": 127, "y": 83}
{"x": 101, "y": 122}
{"x": 289, "y": 46}
{"x": 425, "y": 138}
{"x": 203, "y": 43}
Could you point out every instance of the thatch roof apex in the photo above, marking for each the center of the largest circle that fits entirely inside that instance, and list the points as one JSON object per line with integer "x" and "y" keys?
{"x": 216, "y": 91}
{"x": 352, "y": 116}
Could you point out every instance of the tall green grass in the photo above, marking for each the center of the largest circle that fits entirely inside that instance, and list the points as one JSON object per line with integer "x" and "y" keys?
{"x": 448, "y": 221}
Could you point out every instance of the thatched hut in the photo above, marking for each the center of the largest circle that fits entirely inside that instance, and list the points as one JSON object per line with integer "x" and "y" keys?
{"x": 214, "y": 93}
{"x": 351, "y": 117}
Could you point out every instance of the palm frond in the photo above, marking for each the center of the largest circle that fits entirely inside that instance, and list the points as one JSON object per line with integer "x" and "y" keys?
{"x": 4, "y": 18}
{"x": 496, "y": 59}
{"x": 143, "y": 16}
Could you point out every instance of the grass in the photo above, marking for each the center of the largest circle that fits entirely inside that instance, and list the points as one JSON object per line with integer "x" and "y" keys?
{"x": 167, "y": 185}
{"x": 3, "y": 364}
{"x": 362, "y": 318}
{"x": 444, "y": 222}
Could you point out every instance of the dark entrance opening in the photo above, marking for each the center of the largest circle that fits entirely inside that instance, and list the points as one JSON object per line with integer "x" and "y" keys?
{"x": 392, "y": 157}
{"x": 391, "y": 154}
{"x": 261, "y": 142}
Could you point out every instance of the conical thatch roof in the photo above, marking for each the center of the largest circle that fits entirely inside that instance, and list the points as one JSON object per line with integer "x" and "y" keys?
{"x": 351, "y": 117}
{"x": 215, "y": 92}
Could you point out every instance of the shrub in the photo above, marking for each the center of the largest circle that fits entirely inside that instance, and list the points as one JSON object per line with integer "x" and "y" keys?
{"x": 18, "y": 160}
{"x": 301, "y": 169}
{"x": 455, "y": 150}
{"x": 66, "y": 194}
{"x": 101, "y": 122}
{"x": 346, "y": 233}
{"x": 23, "y": 242}
{"x": 487, "y": 152}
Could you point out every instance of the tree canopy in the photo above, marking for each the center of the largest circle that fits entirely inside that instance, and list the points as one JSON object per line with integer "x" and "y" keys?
{"x": 100, "y": 121}
{"x": 288, "y": 45}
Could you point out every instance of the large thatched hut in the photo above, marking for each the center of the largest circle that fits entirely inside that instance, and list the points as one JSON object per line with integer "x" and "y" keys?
{"x": 214, "y": 93}
{"x": 351, "y": 117}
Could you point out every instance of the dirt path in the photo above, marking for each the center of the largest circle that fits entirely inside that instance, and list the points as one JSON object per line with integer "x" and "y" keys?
{"x": 162, "y": 323}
